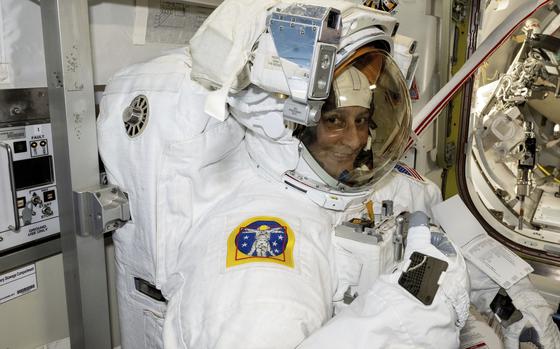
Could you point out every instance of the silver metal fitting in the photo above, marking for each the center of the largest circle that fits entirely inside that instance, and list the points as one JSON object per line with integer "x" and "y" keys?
{"x": 101, "y": 209}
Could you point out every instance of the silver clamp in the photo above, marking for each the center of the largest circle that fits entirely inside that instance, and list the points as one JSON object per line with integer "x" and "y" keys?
{"x": 101, "y": 209}
{"x": 399, "y": 238}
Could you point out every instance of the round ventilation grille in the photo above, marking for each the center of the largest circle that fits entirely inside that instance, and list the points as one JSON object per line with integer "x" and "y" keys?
{"x": 135, "y": 116}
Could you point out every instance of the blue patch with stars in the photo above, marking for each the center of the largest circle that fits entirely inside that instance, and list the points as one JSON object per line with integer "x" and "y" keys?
{"x": 268, "y": 242}
{"x": 261, "y": 239}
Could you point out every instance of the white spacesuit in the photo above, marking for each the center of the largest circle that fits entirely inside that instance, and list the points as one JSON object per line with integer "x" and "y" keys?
{"x": 231, "y": 243}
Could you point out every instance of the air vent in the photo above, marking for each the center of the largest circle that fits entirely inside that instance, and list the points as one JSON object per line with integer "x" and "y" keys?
{"x": 135, "y": 116}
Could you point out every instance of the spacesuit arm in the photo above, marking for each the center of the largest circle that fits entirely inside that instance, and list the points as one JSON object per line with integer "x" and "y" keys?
{"x": 536, "y": 312}
{"x": 388, "y": 316}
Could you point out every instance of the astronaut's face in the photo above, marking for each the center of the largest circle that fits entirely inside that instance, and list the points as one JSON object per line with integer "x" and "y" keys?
{"x": 364, "y": 126}
{"x": 340, "y": 136}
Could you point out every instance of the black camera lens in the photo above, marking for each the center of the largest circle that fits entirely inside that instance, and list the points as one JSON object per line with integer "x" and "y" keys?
{"x": 332, "y": 19}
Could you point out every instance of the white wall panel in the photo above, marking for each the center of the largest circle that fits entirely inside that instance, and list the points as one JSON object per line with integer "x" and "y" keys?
{"x": 112, "y": 28}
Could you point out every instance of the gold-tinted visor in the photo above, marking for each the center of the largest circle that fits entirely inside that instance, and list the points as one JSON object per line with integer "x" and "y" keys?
{"x": 365, "y": 123}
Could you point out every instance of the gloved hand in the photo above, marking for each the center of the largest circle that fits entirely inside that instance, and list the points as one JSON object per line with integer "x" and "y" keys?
{"x": 537, "y": 313}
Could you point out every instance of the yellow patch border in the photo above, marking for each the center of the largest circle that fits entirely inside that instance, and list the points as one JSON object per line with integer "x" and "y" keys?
{"x": 286, "y": 259}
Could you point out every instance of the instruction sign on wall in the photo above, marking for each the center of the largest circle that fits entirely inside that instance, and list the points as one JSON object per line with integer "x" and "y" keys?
{"x": 167, "y": 22}
{"x": 17, "y": 282}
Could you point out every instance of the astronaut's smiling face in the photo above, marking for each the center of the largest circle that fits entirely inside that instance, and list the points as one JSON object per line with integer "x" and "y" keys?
{"x": 340, "y": 136}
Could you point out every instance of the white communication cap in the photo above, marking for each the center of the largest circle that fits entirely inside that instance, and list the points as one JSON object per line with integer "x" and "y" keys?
{"x": 352, "y": 89}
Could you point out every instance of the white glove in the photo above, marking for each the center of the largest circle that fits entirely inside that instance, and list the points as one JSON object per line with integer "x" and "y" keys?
{"x": 536, "y": 312}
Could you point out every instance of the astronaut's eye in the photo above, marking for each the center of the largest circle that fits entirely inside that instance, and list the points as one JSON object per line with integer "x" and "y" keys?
{"x": 334, "y": 121}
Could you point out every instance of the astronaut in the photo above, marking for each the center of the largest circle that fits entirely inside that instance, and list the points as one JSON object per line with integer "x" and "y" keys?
{"x": 235, "y": 158}
{"x": 261, "y": 246}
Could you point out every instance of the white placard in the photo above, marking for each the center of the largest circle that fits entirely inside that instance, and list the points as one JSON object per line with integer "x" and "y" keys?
{"x": 167, "y": 22}
{"x": 17, "y": 282}
{"x": 499, "y": 263}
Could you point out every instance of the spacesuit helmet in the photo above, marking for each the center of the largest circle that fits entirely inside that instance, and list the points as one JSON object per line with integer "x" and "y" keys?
{"x": 364, "y": 124}
{"x": 279, "y": 66}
